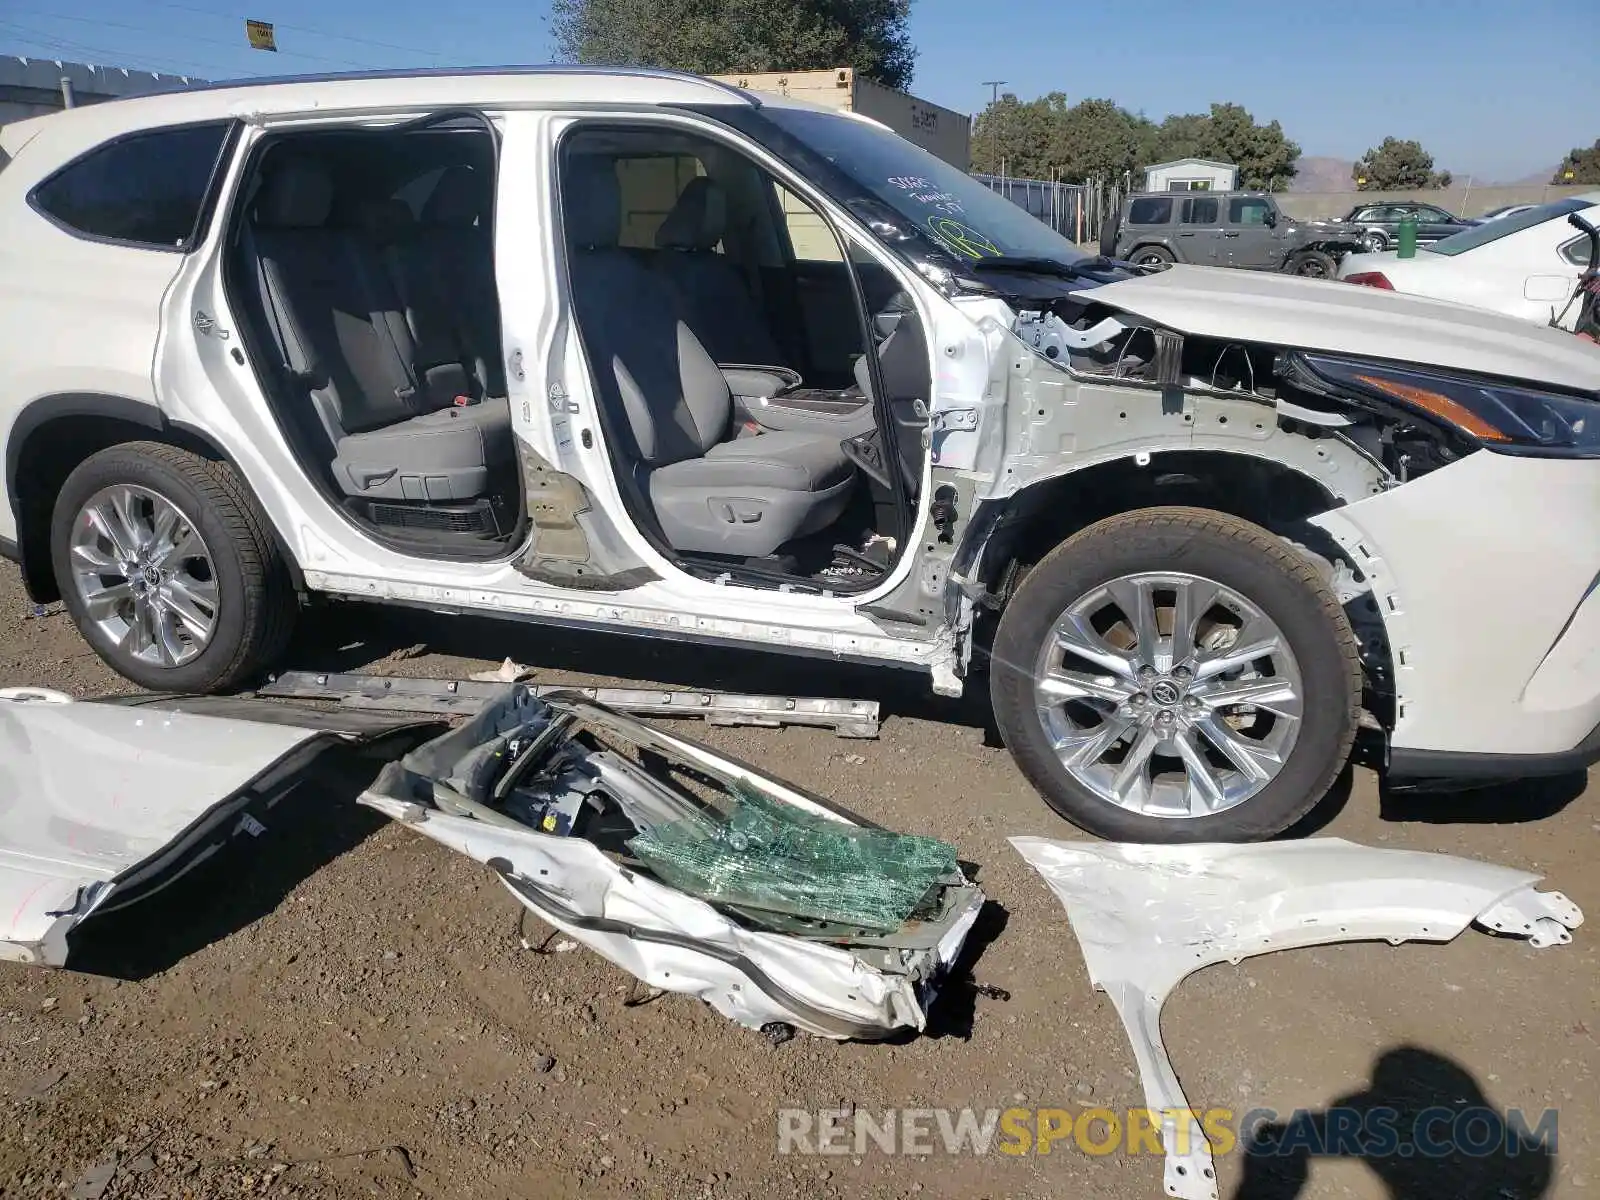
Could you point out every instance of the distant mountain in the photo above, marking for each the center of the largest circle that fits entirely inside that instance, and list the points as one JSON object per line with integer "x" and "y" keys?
{"x": 1323, "y": 175}
{"x": 1537, "y": 179}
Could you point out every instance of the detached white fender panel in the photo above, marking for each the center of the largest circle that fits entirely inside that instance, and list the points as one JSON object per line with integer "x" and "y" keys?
{"x": 1147, "y": 916}
{"x": 97, "y": 797}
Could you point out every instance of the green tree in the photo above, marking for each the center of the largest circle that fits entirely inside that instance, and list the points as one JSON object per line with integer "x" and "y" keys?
{"x": 1265, "y": 157}
{"x": 721, "y": 36}
{"x": 1042, "y": 138}
{"x": 1583, "y": 165}
{"x": 1396, "y": 165}
{"x": 1228, "y": 133}
{"x": 1094, "y": 138}
{"x": 1181, "y": 135}
{"x": 1037, "y": 138}
{"x": 1018, "y": 137}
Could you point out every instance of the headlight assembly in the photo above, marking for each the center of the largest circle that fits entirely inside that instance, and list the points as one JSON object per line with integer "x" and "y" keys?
{"x": 1498, "y": 416}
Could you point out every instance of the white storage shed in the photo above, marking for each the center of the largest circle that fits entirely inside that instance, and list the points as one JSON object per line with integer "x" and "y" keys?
{"x": 1191, "y": 175}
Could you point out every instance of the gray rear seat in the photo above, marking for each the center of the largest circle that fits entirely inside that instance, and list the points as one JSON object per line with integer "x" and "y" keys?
{"x": 742, "y": 497}
{"x": 442, "y": 266}
{"x": 344, "y": 338}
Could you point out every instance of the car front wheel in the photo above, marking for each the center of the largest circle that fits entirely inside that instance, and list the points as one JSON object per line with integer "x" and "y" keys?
{"x": 1177, "y": 675}
{"x": 1314, "y": 264}
{"x": 168, "y": 569}
{"x": 1376, "y": 242}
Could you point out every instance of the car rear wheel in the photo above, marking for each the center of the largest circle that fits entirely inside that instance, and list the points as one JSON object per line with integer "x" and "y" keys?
{"x": 1157, "y": 258}
{"x": 1314, "y": 264}
{"x": 169, "y": 570}
{"x": 1177, "y": 675}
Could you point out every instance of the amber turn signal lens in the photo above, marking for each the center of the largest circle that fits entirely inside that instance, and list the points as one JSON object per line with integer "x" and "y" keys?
{"x": 1439, "y": 405}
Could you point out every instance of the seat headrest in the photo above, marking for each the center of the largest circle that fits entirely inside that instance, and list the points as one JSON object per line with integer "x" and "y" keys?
{"x": 386, "y": 220}
{"x": 297, "y": 195}
{"x": 698, "y": 220}
{"x": 591, "y": 202}
{"x": 461, "y": 197}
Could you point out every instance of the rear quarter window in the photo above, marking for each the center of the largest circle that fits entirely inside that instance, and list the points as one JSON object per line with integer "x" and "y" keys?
{"x": 1150, "y": 210}
{"x": 1576, "y": 251}
{"x": 147, "y": 189}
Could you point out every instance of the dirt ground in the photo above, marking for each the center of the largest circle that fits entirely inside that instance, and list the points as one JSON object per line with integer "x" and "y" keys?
{"x": 349, "y": 1011}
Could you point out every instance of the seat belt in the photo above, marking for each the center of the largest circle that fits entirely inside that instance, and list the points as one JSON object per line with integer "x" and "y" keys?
{"x": 293, "y": 356}
{"x": 444, "y": 383}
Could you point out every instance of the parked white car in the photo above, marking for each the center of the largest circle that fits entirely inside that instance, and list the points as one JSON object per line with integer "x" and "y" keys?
{"x": 1524, "y": 264}
{"x": 1506, "y": 210}
{"x": 638, "y": 351}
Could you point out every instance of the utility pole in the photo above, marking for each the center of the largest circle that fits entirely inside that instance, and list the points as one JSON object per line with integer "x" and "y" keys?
{"x": 994, "y": 86}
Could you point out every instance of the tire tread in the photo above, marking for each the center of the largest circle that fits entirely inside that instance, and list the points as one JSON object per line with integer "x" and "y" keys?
{"x": 270, "y": 602}
{"x": 1114, "y": 532}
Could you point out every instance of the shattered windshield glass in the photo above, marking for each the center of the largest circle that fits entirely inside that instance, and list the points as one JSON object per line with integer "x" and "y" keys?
{"x": 772, "y": 856}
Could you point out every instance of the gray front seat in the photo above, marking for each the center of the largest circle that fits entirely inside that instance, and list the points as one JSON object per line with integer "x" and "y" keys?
{"x": 722, "y": 311}
{"x": 743, "y": 497}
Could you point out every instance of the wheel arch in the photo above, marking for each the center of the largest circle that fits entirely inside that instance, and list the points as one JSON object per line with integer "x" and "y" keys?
{"x": 1155, "y": 243}
{"x": 1008, "y": 536}
{"x": 1048, "y": 511}
{"x": 53, "y": 434}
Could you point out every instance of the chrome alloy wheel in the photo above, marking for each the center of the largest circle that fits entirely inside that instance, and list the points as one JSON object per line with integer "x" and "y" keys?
{"x": 144, "y": 575}
{"x": 1169, "y": 694}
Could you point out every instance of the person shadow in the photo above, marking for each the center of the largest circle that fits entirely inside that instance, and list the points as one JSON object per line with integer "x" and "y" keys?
{"x": 1423, "y": 1125}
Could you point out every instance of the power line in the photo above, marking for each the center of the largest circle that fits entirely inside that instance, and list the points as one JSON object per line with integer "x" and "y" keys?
{"x": 343, "y": 37}
{"x": 341, "y": 62}
{"x": 159, "y": 64}
{"x": 49, "y": 44}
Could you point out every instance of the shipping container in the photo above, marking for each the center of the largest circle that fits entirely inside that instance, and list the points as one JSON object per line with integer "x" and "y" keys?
{"x": 939, "y": 131}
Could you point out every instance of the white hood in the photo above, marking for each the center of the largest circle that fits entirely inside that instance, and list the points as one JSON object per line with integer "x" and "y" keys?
{"x": 1343, "y": 318}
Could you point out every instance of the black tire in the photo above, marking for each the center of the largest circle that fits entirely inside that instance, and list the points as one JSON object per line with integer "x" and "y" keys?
{"x": 1157, "y": 258}
{"x": 1314, "y": 264}
{"x": 1375, "y": 241}
{"x": 1281, "y": 581}
{"x": 1110, "y": 231}
{"x": 256, "y": 601}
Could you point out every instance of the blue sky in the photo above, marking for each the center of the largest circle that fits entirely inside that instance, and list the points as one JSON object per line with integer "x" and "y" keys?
{"x": 1493, "y": 88}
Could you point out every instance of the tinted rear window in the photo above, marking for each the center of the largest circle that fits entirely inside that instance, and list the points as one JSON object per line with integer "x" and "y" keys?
{"x": 1150, "y": 210}
{"x": 1492, "y": 231}
{"x": 148, "y": 189}
{"x": 1200, "y": 212}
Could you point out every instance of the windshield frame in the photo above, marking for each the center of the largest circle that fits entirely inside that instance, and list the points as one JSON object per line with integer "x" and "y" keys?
{"x": 896, "y": 227}
{"x": 1490, "y": 232}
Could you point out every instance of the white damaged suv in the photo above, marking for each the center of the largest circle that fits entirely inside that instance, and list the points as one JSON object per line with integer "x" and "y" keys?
{"x": 642, "y": 352}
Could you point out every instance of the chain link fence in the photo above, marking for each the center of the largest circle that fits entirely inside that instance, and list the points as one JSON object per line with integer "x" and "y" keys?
{"x": 1077, "y": 211}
